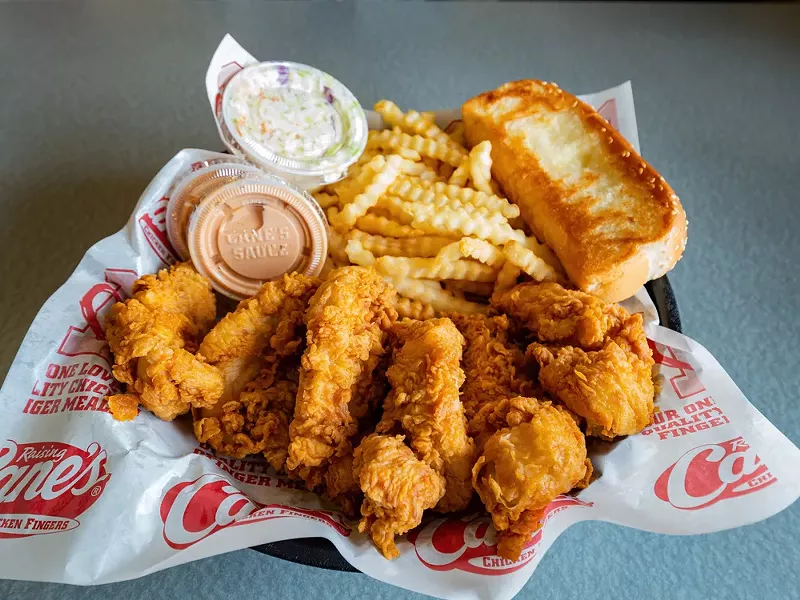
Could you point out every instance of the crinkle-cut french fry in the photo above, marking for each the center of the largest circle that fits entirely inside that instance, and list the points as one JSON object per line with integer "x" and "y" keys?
{"x": 525, "y": 259}
{"x": 450, "y": 252}
{"x": 428, "y": 116}
{"x": 482, "y": 251}
{"x": 421, "y": 247}
{"x": 470, "y": 196}
{"x": 470, "y": 247}
{"x": 413, "y": 309}
{"x": 373, "y": 144}
{"x": 394, "y": 139}
{"x": 326, "y": 200}
{"x": 545, "y": 253}
{"x": 480, "y": 167}
{"x": 441, "y": 300}
{"x": 395, "y": 207}
{"x": 365, "y": 157}
{"x": 416, "y": 169}
{"x": 507, "y": 277}
{"x": 429, "y": 176}
{"x": 430, "y": 268}
{"x": 457, "y": 133}
{"x": 333, "y": 218}
{"x": 477, "y": 288}
{"x": 358, "y": 255}
{"x": 358, "y": 178}
{"x": 411, "y": 122}
{"x": 411, "y": 190}
{"x": 461, "y": 174}
{"x": 449, "y": 221}
{"x": 380, "y": 225}
{"x": 365, "y": 200}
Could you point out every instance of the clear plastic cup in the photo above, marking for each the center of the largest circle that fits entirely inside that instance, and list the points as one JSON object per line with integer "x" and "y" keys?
{"x": 254, "y": 230}
{"x": 294, "y": 121}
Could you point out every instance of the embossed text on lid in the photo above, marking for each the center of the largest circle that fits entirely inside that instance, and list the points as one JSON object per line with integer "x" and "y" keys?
{"x": 254, "y": 230}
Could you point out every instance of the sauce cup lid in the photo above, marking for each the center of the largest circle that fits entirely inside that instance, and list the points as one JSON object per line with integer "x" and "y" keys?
{"x": 294, "y": 118}
{"x": 192, "y": 189}
{"x": 254, "y": 230}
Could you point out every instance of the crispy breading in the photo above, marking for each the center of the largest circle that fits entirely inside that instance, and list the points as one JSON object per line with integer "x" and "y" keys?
{"x": 153, "y": 336}
{"x": 558, "y": 315}
{"x": 491, "y": 362}
{"x": 425, "y": 376}
{"x": 347, "y": 321}
{"x": 397, "y": 488}
{"x": 257, "y": 347}
{"x": 611, "y": 388}
{"x": 539, "y": 454}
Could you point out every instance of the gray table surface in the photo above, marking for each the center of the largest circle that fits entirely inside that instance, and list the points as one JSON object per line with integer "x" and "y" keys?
{"x": 96, "y": 96}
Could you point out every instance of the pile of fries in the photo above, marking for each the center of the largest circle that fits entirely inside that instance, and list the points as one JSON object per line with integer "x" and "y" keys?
{"x": 425, "y": 212}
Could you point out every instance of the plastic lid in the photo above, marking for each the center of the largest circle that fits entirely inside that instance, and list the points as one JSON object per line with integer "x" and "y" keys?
{"x": 254, "y": 230}
{"x": 192, "y": 189}
{"x": 294, "y": 118}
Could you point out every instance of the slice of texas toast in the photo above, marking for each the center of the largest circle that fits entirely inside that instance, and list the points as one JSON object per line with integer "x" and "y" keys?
{"x": 581, "y": 187}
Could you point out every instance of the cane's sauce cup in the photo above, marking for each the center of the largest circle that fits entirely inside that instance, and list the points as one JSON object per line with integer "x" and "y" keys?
{"x": 254, "y": 230}
{"x": 192, "y": 189}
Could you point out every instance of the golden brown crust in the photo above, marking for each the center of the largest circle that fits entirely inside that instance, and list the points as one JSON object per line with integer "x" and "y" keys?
{"x": 607, "y": 248}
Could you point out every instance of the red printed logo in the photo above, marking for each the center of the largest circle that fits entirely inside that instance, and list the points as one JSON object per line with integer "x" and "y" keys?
{"x": 686, "y": 383}
{"x": 154, "y": 227}
{"x": 470, "y": 544}
{"x": 90, "y": 339}
{"x": 193, "y": 510}
{"x": 708, "y": 474}
{"x": 45, "y": 486}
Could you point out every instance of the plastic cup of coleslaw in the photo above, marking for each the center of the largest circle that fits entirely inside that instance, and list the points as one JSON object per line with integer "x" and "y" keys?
{"x": 294, "y": 121}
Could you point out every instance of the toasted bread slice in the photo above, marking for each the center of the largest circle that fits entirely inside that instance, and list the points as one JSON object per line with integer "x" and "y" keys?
{"x": 581, "y": 187}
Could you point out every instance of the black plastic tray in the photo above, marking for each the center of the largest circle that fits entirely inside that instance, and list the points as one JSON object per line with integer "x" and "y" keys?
{"x": 319, "y": 552}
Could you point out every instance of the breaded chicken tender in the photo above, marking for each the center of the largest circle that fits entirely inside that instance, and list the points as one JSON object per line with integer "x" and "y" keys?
{"x": 398, "y": 487}
{"x": 153, "y": 337}
{"x": 347, "y": 319}
{"x": 538, "y": 455}
{"x": 424, "y": 404}
{"x": 557, "y": 315}
{"x": 611, "y": 388}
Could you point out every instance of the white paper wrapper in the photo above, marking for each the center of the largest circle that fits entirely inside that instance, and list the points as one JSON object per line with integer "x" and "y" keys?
{"x": 119, "y": 500}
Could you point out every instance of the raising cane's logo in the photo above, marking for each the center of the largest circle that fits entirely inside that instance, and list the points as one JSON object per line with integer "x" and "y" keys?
{"x": 95, "y": 304}
{"x": 686, "y": 383}
{"x": 193, "y": 510}
{"x": 154, "y": 228}
{"x": 470, "y": 544}
{"x": 45, "y": 486}
{"x": 713, "y": 472}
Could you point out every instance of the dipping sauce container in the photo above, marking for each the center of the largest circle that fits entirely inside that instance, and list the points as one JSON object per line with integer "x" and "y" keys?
{"x": 254, "y": 230}
{"x": 193, "y": 188}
